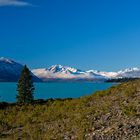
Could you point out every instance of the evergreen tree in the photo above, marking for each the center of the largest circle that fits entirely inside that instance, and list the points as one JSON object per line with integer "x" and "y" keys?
{"x": 25, "y": 87}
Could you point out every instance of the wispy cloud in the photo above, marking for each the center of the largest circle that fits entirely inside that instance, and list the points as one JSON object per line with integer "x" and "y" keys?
{"x": 14, "y": 3}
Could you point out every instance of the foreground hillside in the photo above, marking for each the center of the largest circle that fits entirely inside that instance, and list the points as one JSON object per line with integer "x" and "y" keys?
{"x": 113, "y": 114}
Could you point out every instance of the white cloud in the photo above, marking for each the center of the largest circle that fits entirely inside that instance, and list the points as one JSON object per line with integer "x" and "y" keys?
{"x": 13, "y": 3}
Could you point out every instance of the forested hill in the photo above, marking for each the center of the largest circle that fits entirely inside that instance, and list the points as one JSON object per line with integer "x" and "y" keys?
{"x": 105, "y": 115}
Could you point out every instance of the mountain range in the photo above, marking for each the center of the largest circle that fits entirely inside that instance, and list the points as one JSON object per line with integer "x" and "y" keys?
{"x": 10, "y": 71}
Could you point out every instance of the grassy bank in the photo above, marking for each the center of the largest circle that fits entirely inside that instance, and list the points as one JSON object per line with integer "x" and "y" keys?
{"x": 110, "y": 114}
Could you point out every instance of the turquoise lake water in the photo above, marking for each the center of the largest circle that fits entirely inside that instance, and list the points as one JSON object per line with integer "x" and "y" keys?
{"x": 53, "y": 90}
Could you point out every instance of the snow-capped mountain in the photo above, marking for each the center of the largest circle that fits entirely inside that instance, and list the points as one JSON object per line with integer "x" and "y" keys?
{"x": 107, "y": 75}
{"x": 10, "y": 70}
{"x": 64, "y": 73}
{"x": 129, "y": 73}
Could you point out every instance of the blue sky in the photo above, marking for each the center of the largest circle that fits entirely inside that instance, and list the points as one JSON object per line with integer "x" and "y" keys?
{"x": 86, "y": 34}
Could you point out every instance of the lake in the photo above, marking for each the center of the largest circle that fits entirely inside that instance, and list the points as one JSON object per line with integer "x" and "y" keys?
{"x": 53, "y": 90}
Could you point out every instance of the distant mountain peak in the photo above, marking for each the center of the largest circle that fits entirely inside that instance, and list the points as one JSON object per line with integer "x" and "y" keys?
{"x": 6, "y": 60}
{"x": 130, "y": 69}
{"x": 55, "y": 68}
{"x": 64, "y": 69}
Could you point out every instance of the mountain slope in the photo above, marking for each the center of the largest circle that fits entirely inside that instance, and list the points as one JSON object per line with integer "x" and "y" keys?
{"x": 10, "y": 70}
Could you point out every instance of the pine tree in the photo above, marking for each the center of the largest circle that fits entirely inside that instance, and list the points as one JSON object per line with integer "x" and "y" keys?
{"x": 25, "y": 87}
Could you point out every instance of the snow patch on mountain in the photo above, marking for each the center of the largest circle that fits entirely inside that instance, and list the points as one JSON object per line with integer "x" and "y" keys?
{"x": 6, "y": 60}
